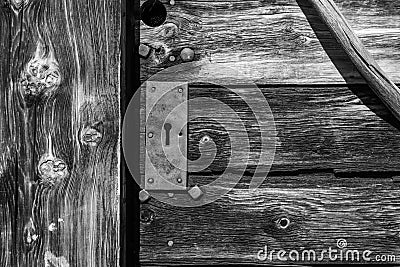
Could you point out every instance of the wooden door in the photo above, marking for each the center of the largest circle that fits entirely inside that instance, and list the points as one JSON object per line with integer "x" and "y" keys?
{"x": 60, "y": 66}
{"x": 333, "y": 180}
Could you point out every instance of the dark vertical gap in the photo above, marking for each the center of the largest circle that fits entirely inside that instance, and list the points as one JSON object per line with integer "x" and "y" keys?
{"x": 130, "y": 83}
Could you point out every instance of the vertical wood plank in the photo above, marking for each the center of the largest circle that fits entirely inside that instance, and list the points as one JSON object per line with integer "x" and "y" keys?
{"x": 8, "y": 179}
{"x": 60, "y": 78}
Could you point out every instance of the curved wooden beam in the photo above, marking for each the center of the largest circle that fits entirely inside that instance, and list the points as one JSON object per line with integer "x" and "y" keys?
{"x": 379, "y": 82}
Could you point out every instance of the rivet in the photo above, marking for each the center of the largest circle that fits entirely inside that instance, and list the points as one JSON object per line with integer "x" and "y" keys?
{"x": 150, "y": 135}
{"x": 153, "y": 89}
{"x": 143, "y": 196}
{"x": 144, "y": 50}
{"x": 187, "y": 54}
{"x": 170, "y": 243}
{"x": 205, "y": 139}
{"x": 172, "y": 58}
{"x": 195, "y": 192}
{"x": 150, "y": 180}
{"x": 179, "y": 180}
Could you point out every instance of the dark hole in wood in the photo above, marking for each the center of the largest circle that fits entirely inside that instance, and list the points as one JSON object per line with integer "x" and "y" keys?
{"x": 283, "y": 223}
{"x": 153, "y": 13}
{"x": 146, "y": 215}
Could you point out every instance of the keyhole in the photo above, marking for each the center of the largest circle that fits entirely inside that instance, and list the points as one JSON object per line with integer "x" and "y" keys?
{"x": 167, "y": 128}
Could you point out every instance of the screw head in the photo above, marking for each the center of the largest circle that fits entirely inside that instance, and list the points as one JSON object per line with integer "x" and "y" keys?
{"x": 180, "y": 90}
{"x": 172, "y": 58}
{"x": 195, "y": 192}
{"x": 143, "y": 195}
{"x": 153, "y": 89}
{"x": 187, "y": 54}
{"x": 150, "y": 180}
{"x": 150, "y": 135}
{"x": 205, "y": 139}
{"x": 144, "y": 50}
{"x": 179, "y": 180}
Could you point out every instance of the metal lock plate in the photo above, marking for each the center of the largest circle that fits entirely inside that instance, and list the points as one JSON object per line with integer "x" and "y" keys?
{"x": 166, "y": 136}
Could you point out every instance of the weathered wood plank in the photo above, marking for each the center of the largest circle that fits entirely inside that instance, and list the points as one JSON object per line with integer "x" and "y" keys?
{"x": 9, "y": 159}
{"x": 63, "y": 109}
{"x": 344, "y": 129}
{"x": 280, "y": 41}
{"x": 321, "y": 209}
{"x": 17, "y": 170}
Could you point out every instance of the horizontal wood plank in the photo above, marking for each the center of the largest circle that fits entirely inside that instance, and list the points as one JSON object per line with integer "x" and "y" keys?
{"x": 281, "y": 41}
{"x": 320, "y": 209}
{"x": 343, "y": 129}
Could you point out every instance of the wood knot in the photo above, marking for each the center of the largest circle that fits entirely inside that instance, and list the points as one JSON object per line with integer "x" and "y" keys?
{"x": 41, "y": 75}
{"x": 18, "y": 5}
{"x": 161, "y": 52}
{"x": 146, "y": 216}
{"x": 52, "y": 260}
{"x": 282, "y": 223}
{"x": 289, "y": 28}
{"x": 30, "y": 235}
{"x": 169, "y": 30}
{"x": 91, "y": 136}
{"x": 52, "y": 170}
{"x": 303, "y": 40}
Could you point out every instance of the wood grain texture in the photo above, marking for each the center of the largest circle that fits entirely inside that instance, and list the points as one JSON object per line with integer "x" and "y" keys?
{"x": 377, "y": 79}
{"x": 321, "y": 209}
{"x": 342, "y": 129}
{"x": 60, "y": 82}
{"x": 276, "y": 41}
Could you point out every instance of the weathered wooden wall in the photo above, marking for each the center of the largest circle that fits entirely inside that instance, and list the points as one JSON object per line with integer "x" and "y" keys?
{"x": 59, "y": 132}
{"x": 336, "y": 164}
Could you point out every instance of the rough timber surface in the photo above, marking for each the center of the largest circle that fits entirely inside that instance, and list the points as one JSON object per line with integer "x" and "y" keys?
{"x": 335, "y": 169}
{"x": 59, "y": 133}
{"x": 336, "y": 128}
{"x": 271, "y": 41}
{"x": 321, "y": 209}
